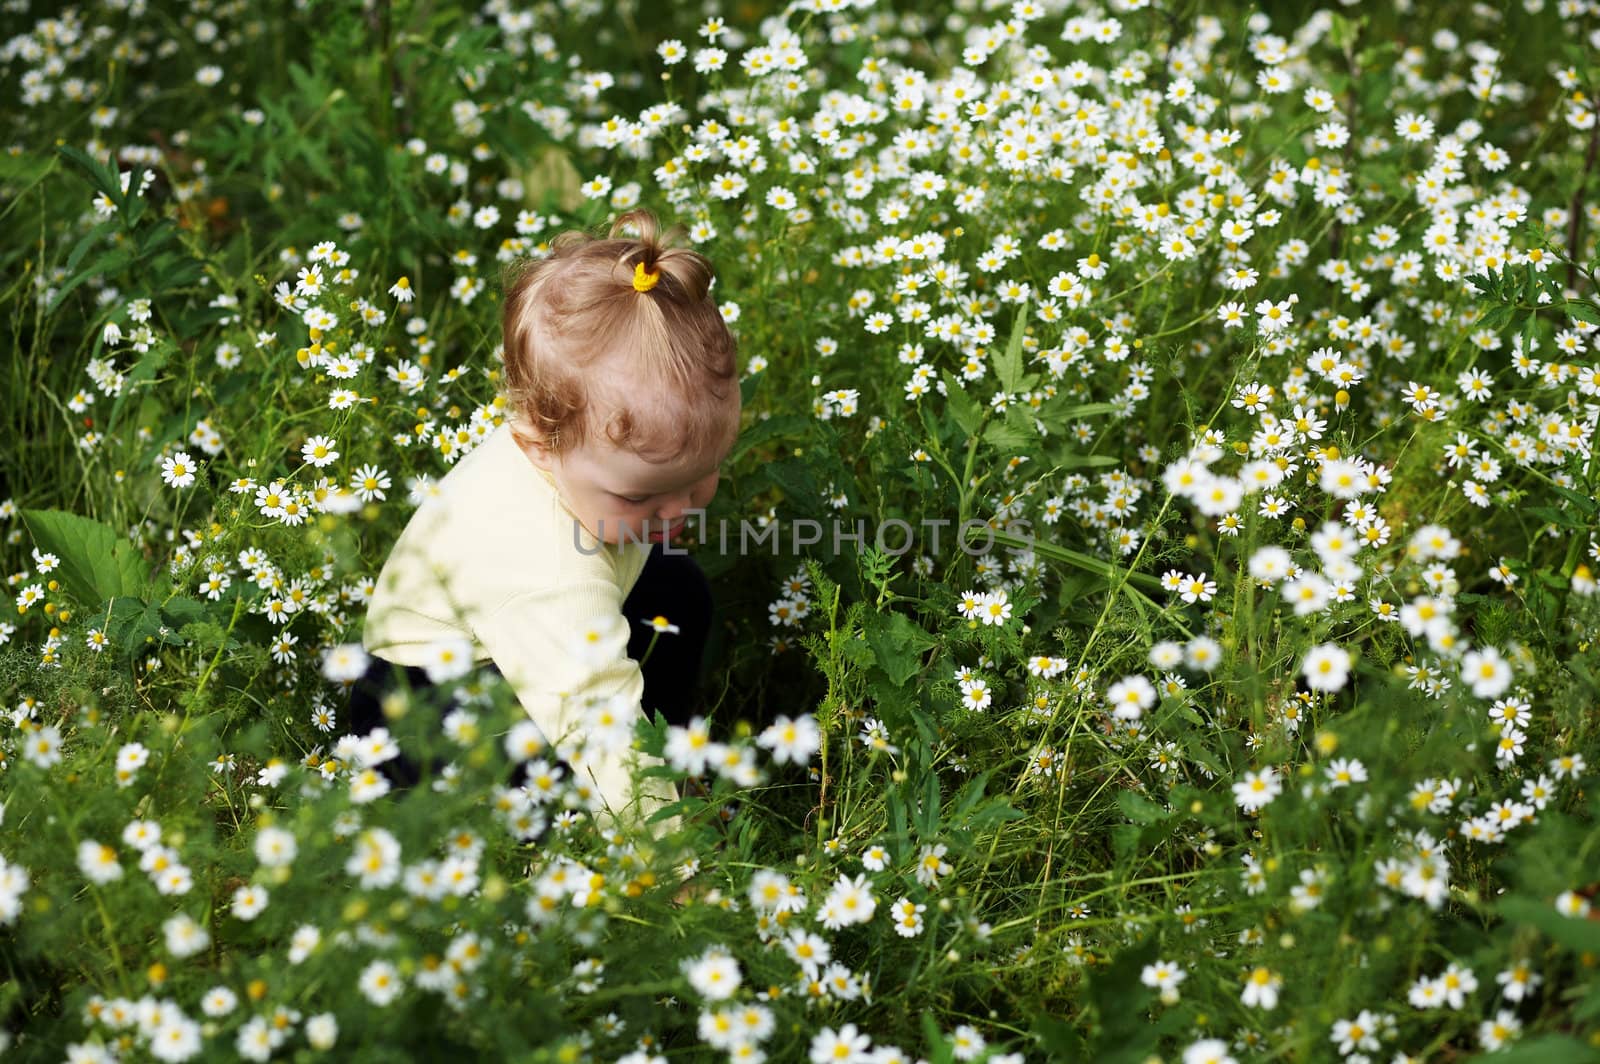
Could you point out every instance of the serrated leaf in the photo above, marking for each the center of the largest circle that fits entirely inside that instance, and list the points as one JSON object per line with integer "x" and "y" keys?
{"x": 965, "y": 409}
{"x": 1009, "y": 366}
{"x": 132, "y": 622}
{"x": 793, "y": 477}
{"x": 1583, "y": 502}
{"x": 780, "y": 427}
{"x": 81, "y": 248}
{"x": 1559, "y": 518}
{"x": 133, "y": 206}
{"x": 1140, "y": 809}
{"x": 1497, "y": 317}
{"x": 100, "y": 175}
{"x": 97, "y": 564}
{"x": 1008, "y": 437}
{"x": 898, "y": 643}
{"x": 109, "y": 263}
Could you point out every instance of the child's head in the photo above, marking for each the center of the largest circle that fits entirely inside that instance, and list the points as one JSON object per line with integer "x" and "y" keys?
{"x": 621, "y": 376}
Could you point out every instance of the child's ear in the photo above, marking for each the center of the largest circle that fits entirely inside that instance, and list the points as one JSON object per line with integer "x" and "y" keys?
{"x": 537, "y": 450}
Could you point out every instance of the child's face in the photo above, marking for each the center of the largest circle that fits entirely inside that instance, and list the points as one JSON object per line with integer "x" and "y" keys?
{"x": 621, "y": 498}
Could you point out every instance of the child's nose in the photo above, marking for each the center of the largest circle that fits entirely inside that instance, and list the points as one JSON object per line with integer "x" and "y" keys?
{"x": 674, "y": 507}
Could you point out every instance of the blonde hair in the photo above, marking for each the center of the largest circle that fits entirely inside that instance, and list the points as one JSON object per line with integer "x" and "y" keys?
{"x": 670, "y": 355}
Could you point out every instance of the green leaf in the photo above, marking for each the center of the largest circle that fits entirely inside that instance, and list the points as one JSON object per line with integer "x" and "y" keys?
{"x": 968, "y": 797}
{"x": 1581, "y": 935}
{"x": 897, "y": 815}
{"x": 940, "y": 1051}
{"x": 962, "y": 407}
{"x": 1498, "y": 317}
{"x": 793, "y": 477}
{"x": 749, "y": 386}
{"x": 1009, "y": 366}
{"x": 1583, "y": 502}
{"x": 928, "y": 813}
{"x": 97, "y": 564}
{"x": 157, "y": 237}
{"x": 132, "y": 622}
{"x": 143, "y": 370}
{"x": 898, "y": 643}
{"x": 784, "y": 426}
{"x": 1120, "y": 1001}
{"x": 133, "y": 206}
{"x": 1140, "y": 809}
{"x": 1086, "y": 461}
{"x": 109, "y": 263}
{"x": 1084, "y": 410}
{"x": 1342, "y": 32}
{"x": 86, "y": 242}
{"x": 1059, "y": 1038}
{"x": 1006, "y": 436}
{"x": 183, "y": 610}
{"x": 100, "y": 175}
{"x": 1559, "y": 518}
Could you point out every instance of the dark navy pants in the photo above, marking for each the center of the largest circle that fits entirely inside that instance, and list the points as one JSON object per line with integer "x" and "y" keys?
{"x": 670, "y": 586}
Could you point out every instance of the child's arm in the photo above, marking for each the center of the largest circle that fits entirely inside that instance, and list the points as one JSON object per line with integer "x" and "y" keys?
{"x": 564, "y": 650}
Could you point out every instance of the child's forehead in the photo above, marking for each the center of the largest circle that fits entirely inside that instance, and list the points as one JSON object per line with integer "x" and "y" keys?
{"x": 628, "y": 468}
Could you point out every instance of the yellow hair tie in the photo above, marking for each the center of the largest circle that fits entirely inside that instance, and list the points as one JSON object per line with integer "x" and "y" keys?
{"x": 642, "y": 281}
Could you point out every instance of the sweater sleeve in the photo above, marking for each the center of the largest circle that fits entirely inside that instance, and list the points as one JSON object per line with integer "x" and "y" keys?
{"x": 564, "y": 650}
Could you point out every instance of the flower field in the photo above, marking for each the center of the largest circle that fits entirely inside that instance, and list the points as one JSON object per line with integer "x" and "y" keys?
{"x": 1198, "y": 657}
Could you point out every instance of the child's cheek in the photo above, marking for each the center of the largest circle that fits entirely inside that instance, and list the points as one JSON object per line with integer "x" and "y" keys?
{"x": 706, "y": 494}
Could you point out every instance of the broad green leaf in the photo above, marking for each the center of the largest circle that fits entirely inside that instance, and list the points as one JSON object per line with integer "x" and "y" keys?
{"x": 1009, "y": 366}
{"x": 109, "y": 263}
{"x": 133, "y": 205}
{"x": 1085, "y": 461}
{"x": 1009, "y": 437}
{"x": 749, "y": 386}
{"x": 1059, "y": 1038}
{"x": 1583, "y": 502}
{"x": 1140, "y": 809}
{"x": 1120, "y": 1001}
{"x": 969, "y": 797}
{"x": 898, "y": 643}
{"x": 96, "y": 563}
{"x": 143, "y": 370}
{"x": 1498, "y": 317}
{"x": 964, "y": 408}
{"x": 87, "y": 241}
{"x": 100, "y": 175}
{"x": 897, "y": 814}
{"x": 132, "y": 623}
{"x": 783, "y": 426}
{"x": 794, "y": 477}
{"x": 928, "y": 813}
